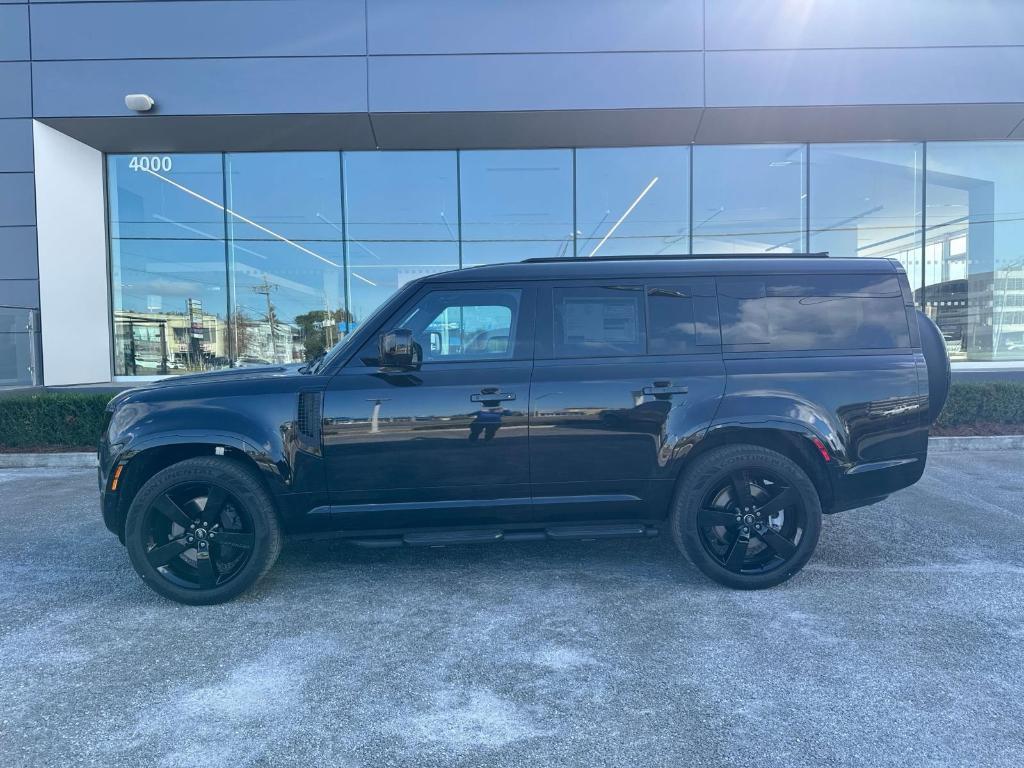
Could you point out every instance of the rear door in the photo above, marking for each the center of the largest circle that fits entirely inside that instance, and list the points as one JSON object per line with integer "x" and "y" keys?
{"x": 627, "y": 375}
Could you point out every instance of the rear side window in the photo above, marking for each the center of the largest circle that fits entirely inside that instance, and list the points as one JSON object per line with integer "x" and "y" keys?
{"x": 599, "y": 321}
{"x": 682, "y": 317}
{"x": 813, "y": 312}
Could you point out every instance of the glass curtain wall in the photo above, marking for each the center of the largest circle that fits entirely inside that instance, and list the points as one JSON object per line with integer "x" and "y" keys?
{"x": 285, "y": 263}
{"x": 632, "y": 200}
{"x": 401, "y": 222}
{"x": 749, "y": 199}
{"x": 247, "y": 258}
{"x": 169, "y": 285}
{"x": 516, "y": 204}
{"x": 974, "y": 247}
{"x": 19, "y": 365}
{"x": 866, "y": 200}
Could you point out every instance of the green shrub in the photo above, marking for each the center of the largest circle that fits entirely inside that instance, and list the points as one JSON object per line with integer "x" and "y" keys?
{"x": 993, "y": 402}
{"x": 52, "y": 420}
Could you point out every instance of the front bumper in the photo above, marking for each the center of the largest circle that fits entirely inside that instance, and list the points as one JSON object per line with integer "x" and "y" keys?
{"x": 110, "y": 501}
{"x": 113, "y": 518}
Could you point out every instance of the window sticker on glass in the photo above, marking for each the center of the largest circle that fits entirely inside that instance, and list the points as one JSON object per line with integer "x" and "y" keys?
{"x": 604, "y": 320}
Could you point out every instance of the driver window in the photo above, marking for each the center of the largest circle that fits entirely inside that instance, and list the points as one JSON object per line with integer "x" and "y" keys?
{"x": 465, "y": 325}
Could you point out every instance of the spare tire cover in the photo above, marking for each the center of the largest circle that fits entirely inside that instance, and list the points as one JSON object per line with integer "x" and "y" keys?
{"x": 934, "y": 348}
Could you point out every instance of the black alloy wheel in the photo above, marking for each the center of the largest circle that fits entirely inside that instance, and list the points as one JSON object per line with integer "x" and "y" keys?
{"x": 748, "y": 517}
{"x": 202, "y": 531}
{"x": 751, "y": 521}
{"x": 197, "y": 535}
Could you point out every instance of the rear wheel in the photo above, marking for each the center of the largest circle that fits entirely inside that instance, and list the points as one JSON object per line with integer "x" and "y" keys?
{"x": 202, "y": 531}
{"x": 746, "y": 516}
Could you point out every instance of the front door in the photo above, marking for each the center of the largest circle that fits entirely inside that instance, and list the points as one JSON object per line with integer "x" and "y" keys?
{"x": 444, "y": 443}
{"x": 628, "y": 376}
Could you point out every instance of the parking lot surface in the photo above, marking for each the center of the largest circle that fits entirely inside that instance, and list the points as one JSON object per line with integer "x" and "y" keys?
{"x": 902, "y": 643}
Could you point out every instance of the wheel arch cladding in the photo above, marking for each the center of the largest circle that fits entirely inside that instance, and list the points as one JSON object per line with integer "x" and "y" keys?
{"x": 147, "y": 462}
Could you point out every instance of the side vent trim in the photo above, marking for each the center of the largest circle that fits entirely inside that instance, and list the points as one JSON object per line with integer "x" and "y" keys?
{"x": 310, "y": 416}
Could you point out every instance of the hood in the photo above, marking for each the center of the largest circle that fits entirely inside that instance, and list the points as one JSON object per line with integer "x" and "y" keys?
{"x": 210, "y": 377}
{"x": 230, "y": 374}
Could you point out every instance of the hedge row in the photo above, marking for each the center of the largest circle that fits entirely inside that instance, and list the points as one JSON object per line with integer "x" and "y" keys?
{"x": 51, "y": 421}
{"x": 984, "y": 402}
{"x": 57, "y": 420}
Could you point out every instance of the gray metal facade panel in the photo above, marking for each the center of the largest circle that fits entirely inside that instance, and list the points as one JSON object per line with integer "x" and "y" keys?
{"x": 14, "y": 33}
{"x": 15, "y": 89}
{"x": 760, "y": 24}
{"x": 879, "y": 76}
{"x": 19, "y": 267}
{"x": 219, "y": 133}
{"x": 15, "y": 145}
{"x": 19, "y": 293}
{"x": 202, "y": 86}
{"x": 18, "y": 253}
{"x": 17, "y": 200}
{"x": 549, "y": 128}
{"x": 898, "y": 122}
{"x": 535, "y": 82}
{"x": 533, "y": 26}
{"x": 236, "y": 28}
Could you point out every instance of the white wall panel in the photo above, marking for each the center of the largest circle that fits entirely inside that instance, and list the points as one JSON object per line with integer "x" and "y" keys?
{"x": 72, "y": 240}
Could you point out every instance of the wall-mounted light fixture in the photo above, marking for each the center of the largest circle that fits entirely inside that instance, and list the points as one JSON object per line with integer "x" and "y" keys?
{"x": 139, "y": 102}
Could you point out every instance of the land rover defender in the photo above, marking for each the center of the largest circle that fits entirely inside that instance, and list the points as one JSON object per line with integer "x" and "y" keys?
{"x": 729, "y": 401}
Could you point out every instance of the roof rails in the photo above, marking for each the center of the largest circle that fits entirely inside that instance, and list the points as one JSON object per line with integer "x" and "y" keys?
{"x": 674, "y": 257}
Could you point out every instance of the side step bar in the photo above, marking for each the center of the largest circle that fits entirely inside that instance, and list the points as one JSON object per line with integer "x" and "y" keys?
{"x": 474, "y": 536}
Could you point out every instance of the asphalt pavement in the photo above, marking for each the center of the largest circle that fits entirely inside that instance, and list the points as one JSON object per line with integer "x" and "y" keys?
{"x": 901, "y": 643}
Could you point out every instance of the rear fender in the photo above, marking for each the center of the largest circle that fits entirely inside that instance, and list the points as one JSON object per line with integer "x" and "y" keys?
{"x": 798, "y": 440}
{"x": 813, "y": 423}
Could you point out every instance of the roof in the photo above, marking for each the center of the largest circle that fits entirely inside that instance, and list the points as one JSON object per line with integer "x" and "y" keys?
{"x": 660, "y": 266}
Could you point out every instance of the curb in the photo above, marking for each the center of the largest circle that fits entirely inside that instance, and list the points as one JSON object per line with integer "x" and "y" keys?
{"x": 87, "y": 460}
{"x": 83, "y": 460}
{"x": 975, "y": 443}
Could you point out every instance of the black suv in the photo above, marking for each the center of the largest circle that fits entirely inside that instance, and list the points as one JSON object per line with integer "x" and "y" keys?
{"x": 730, "y": 400}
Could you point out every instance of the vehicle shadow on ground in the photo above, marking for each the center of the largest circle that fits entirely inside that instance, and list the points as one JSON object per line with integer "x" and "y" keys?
{"x": 886, "y": 536}
{"x": 651, "y": 559}
{"x": 599, "y": 556}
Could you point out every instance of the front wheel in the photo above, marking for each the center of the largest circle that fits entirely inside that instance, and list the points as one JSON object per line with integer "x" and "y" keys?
{"x": 746, "y": 516}
{"x": 202, "y": 531}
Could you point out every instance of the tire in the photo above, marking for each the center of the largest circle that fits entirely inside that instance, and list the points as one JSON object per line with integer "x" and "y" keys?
{"x": 164, "y": 531}
{"x": 781, "y": 515}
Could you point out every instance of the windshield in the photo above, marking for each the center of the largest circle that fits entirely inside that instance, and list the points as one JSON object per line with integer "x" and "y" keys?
{"x": 318, "y": 362}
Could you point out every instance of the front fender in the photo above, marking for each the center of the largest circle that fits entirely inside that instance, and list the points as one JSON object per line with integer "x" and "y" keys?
{"x": 259, "y": 428}
{"x": 277, "y": 472}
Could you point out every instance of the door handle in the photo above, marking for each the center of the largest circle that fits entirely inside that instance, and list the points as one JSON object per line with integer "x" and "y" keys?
{"x": 487, "y": 396}
{"x": 665, "y": 388}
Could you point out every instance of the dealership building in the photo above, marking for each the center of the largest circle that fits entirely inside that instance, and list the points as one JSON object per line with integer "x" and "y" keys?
{"x": 285, "y": 165}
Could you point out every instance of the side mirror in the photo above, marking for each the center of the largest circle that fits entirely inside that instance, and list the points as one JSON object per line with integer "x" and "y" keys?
{"x": 399, "y": 350}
